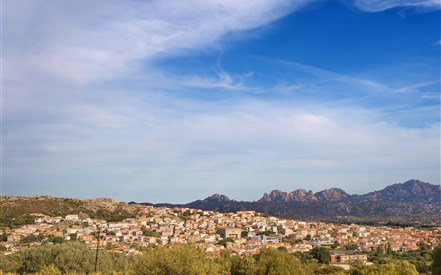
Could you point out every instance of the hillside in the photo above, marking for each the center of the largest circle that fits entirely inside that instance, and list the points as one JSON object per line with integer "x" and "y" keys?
{"x": 16, "y": 210}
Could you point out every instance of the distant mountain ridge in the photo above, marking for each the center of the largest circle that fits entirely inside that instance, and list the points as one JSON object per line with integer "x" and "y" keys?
{"x": 333, "y": 194}
{"x": 412, "y": 200}
{"x": 217, "y": 198}
{"x": 412, "y": 190}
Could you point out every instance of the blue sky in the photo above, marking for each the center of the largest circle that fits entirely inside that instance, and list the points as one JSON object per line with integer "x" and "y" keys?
{"x": 169, "y": 101}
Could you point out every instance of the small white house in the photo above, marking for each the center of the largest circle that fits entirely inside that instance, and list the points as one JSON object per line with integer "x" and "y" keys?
{"x": 71, "y": 218}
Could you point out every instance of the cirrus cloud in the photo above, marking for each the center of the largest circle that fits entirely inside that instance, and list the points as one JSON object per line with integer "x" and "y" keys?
{"x": 381, "y": 5}
{"x": 83, "y": 42}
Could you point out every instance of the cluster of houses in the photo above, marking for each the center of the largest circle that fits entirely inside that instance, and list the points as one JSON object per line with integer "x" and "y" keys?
{"x": 244, "y": 232}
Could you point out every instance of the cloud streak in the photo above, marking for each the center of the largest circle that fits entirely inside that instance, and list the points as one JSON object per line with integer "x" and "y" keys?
{"x": 83, "y": 43}
{"x": 382, "y": 5}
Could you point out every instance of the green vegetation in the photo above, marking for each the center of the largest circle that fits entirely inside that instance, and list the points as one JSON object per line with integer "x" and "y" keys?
{"x": 66, "y": 257}
{"x": 16, "y": 211}
{"x": 273, "y": 261}
{"x": 117, "y": 215}
{"x": 151, "y": 233}
{"x": 225, "y": 241}
{"x": 76, "y": 258}
{"x": 31, "y": 238}
{"x": 421, "y": 259}
{"x": 12, "y": 219}
{"x": 266, "y": 233}
{"x": 49, "y": 270}
{"x": 321, "y": 254}
{"x": 436, "y": 257}
{"x": 400, "y": 268}
{"x": 177, "y": 260}
{"x": 55, "y": 239}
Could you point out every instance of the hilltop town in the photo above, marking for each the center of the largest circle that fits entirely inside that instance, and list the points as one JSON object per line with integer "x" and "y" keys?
{"x": 243, "y": 232}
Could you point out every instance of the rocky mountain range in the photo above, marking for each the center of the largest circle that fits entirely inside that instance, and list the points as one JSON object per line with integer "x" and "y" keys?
{"x": 412, "y": 201}
{"x": 410, "y": 191}
{"x": 330, "y": 195}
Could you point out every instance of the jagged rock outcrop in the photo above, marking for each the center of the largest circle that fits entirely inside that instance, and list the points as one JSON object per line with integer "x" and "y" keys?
{"x": 410, "y": 191}
{"x": 296, "y": 195}
{"x": 217, "y": 198}
{"x": 303, "y": 195}
{"x": 332, "y": 195}
{"x": 275, "y": 195}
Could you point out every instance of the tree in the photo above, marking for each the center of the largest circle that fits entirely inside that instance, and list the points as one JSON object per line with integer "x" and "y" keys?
{"x": 73, "y": 237}
{"x": 388, "y": 249}
{"x": 275, "y": 262}
{"x": 401, "y": 268}
{"x": 406, "y": 268}
{"x": 224, "y": 261}
{"x": 351, "y": 247}
{"x": 335, "y": 245}
{"x": 49, "y": 270}
{"x": 334, "y": 270}
{"x": 30, "y": 239}
{"x": 303, "y": 257}
{"x": 55, "y": 239}
{"x": 266, "y": 233}
{"x": 225, "y": 241}
{"x": 11, "y": 263}
{"x": 243, "y": 265}
{"x": 364, "y": 270}
{"x": 282, "y": 248}
{"x": 176, "y": 260}
{"x": 436, "y": 257}
{"x": 69, "y": 257}
{"x": 58, "y": 240}
{"x": 321, "y": 254}
{"x": 379, "y": 250}
{"x": 3, "y": 237}
{"x": 187, "y": 213}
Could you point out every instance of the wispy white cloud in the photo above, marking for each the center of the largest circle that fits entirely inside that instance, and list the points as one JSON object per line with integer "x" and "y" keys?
{"x": 222, "y": 80}
{"x": 381, "y": 5}
{"x": 416, "y": 87}
{"x": 84, "y": 41}
{"x": 319, "y": 76}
